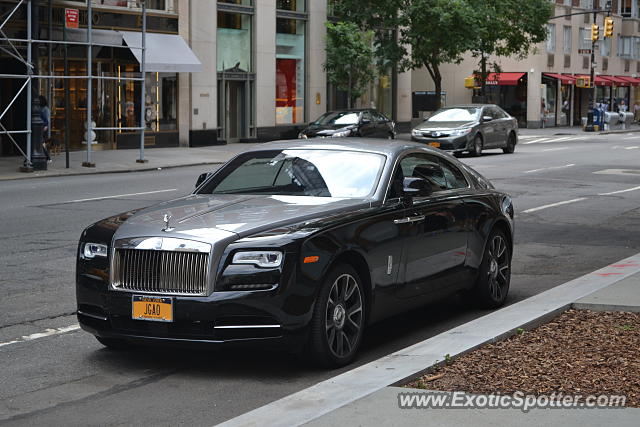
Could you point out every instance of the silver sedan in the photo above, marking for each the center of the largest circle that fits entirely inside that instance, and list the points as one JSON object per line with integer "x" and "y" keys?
{"x": 472, "y": 128}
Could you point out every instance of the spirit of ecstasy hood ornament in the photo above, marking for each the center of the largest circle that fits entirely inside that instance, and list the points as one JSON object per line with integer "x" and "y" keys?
{"x": 166, "y": 219}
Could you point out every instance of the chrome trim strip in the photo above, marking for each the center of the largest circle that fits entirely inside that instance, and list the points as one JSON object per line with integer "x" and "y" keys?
{"x": 94, "y": 316}
{"x": 247, "y": 326}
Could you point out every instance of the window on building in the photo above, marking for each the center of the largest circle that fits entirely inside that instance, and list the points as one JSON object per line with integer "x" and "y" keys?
{"x": 566, "y": 39}
{"x": 605, "y": 46}
{"x": 242, "y": 2}
{"x": 233, "y": 40}
{"x": 165, "y": 5}
{"x": 294, "y": 5}
{"x": 551, "y": 37}
{"x": 626, "y": 8}
{"x": 585, "y": 38}
{"x": 586, "y": 4}
{"x": 625, "y": 46}
{"x": 290, "y": 70}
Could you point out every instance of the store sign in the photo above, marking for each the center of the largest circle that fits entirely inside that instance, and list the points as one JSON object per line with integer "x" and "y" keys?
{"x": 71, "y": 18}
{"x": 584, "y": 51}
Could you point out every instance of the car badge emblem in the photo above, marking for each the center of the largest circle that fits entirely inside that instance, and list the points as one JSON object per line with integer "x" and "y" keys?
{"x": 435, "y": 134}
{"x": 167, "y": 227}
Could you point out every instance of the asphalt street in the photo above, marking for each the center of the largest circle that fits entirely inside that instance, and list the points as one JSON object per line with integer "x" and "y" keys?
{"x": 577, "y": 209}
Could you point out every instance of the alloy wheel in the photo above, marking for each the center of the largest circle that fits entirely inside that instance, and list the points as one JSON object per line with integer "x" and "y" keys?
{"x": 343, "y": 316}
{"x": 498, "y": 267}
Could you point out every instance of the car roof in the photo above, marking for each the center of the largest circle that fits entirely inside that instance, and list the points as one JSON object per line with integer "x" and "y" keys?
{"x": 369, "y": 145}
{"x": 469, "y": 105}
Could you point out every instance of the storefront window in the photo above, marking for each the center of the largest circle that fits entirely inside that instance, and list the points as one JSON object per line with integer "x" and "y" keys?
{"x": 161, "y": 110}
{"x": 603, "y": 96}
{"x": 290, "y": 72}
{"x": 295, "y": 5}
{"x": 621, "y": 99}
{"x": 548, "y": 103}
{"x": 234, "y": 42}
{"x": 242, "y": 2}
{"x": 565, "y": 108}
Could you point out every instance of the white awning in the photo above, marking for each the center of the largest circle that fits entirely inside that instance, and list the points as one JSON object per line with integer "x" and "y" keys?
{"x": 164, "y": 52}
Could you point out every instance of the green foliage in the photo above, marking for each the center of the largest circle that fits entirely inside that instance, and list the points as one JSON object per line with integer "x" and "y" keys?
{"x": 429, "y": 33}
{"x": 350, "y": 57}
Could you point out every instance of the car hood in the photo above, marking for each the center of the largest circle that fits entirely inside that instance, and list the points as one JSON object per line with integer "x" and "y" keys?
{"x": 213, "y": 218}
{"x": 313, "y": 130}
{"x": 443, "y": 125}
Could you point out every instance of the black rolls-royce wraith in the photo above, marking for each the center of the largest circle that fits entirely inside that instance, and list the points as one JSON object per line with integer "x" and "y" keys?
{"x": 300, "y": 244}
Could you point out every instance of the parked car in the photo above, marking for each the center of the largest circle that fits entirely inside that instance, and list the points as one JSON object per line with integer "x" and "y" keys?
{"x": 298, "y": 244}
{"x": 471, "y": 128}
{"x": 367, "y": 123}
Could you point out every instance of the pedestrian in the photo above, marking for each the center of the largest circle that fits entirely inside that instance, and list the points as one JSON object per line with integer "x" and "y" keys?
{"x": 636, "y": 111}
{"x": 622, "y": 106}
{"x": 45, "y": 115}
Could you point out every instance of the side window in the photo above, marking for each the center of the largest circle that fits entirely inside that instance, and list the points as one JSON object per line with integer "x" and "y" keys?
{"x": 380, "y": 118}
{"x": 422, "y": 166}
{"x": 366, "y": 115}
{"x": 495, "y": 113}
{"x": 455, "y": 178}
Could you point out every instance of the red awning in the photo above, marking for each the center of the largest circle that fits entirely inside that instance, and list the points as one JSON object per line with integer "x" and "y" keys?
{"x": 504, "y": 79}
{"x": 617, "y": 81}
{"x": 565, "y": 79}
{"x": 632, "y": 80}
{"x": 599, "y": 80}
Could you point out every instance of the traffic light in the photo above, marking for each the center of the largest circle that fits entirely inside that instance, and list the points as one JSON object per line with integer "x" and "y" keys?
{"x": 608, "y": 27}
{"x": 595, "y": 32}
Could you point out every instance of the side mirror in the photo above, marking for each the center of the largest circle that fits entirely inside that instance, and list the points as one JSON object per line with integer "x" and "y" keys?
{"x": 415, "y": 187}
{"x": 487, "y": 118}
{"x": 202, "y": 178}
{"x": 365, "y": 121}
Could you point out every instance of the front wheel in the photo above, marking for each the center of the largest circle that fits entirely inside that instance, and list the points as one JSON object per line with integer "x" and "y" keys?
{"x": 511, "y": 144}
{"x": 494, "y": 275}
{"x": 338, "y": 318}
{"x": 476, "y": 148}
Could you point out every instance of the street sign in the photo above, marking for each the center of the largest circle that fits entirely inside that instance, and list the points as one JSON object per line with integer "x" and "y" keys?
{"x": 584, "y": 51}
{"x": 71, "y": 18}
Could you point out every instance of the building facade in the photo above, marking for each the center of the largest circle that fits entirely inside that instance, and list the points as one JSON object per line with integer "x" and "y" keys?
{"x": 541, "y": 90}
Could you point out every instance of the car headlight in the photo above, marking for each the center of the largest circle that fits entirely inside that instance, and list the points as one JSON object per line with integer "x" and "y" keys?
{"x": 460, "y": 132}
{"x": 416, "y": 132}
{"x": 92, "y": 250}
{"x": 265, "y": 259}
{"x": 341, "y": 134}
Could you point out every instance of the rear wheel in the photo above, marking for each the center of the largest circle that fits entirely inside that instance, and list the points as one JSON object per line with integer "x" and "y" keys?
{"x": 476, "y": 148}
{"x": 494, "y": 276}
{"x": 511, "y": 144}
{"x": 338, "y": 318}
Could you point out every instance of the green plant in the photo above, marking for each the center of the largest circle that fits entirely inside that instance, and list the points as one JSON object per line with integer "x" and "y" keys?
{"x": 447, "y": 359}
{"x": 519, "y": 331}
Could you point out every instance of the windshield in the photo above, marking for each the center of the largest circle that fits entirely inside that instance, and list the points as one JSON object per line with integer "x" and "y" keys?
{"x": 341, "y": 118}
{"x": 317, "y": 173}
{"x": 466, "y": 114}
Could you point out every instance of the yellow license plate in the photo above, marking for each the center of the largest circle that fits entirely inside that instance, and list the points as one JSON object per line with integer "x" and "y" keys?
{"x": 435, "y": 144}
{"x": 158, "y": 309}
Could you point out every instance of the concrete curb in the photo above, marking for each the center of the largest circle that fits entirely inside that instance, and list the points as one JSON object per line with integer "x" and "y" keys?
{"x": 611, "y": 132}
{"x": 101, "y": 172}
{"x": 327, "y": 396}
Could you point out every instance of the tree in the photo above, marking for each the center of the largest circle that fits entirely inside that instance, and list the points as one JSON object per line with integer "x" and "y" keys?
{"x": 442, "y": 31}
{"x": 507, "y": 28}
{"x": 350, "y": 58}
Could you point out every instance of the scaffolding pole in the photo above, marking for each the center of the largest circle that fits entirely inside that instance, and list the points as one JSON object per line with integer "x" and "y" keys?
{"x": 28, "y": 167}
{"x": 89, "y": 133}
{"x": 143, "y": 95}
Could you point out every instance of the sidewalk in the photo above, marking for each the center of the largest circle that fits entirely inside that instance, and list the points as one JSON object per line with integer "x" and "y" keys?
{"x": 125, "y": 160}
{"x": 366, "y": 395}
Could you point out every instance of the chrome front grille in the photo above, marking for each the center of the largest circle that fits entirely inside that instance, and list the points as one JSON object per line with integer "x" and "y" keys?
{"x": 158, "y": 271}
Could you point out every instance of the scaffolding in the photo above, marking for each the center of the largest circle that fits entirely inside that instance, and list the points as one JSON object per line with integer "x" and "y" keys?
{"x": 10, "y": 45}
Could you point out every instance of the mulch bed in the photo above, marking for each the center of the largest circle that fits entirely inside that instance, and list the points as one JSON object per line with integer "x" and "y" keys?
{"x": 579, "y": 352}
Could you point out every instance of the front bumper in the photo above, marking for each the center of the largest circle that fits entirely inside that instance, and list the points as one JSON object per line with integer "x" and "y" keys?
{"x": 275, "y": 317}
{"x": 452, "y": 143}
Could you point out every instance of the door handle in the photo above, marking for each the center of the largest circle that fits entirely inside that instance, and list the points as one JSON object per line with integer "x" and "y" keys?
{"x": 409, "y": 219}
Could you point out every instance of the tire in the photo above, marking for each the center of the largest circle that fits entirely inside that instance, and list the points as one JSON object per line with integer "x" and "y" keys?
{"x": 114, "y": 343}
{"x": 511, "y": 144}
{"x": 494, "y": 275}
{"x": 476, "y": 149}
{"x": 338, "y": 319}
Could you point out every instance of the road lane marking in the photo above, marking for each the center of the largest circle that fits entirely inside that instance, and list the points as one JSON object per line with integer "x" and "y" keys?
{"x": 556, "y": 149}
{"x": 120, "y": 195}
{"x": 631, "y": 148}
{"x": 619, "y": 191}
{"x": 550, "y": 168}
{"x": 47, "y": 333}
{"x": 566, "y": 202}
{"x": 535, "y": 140}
